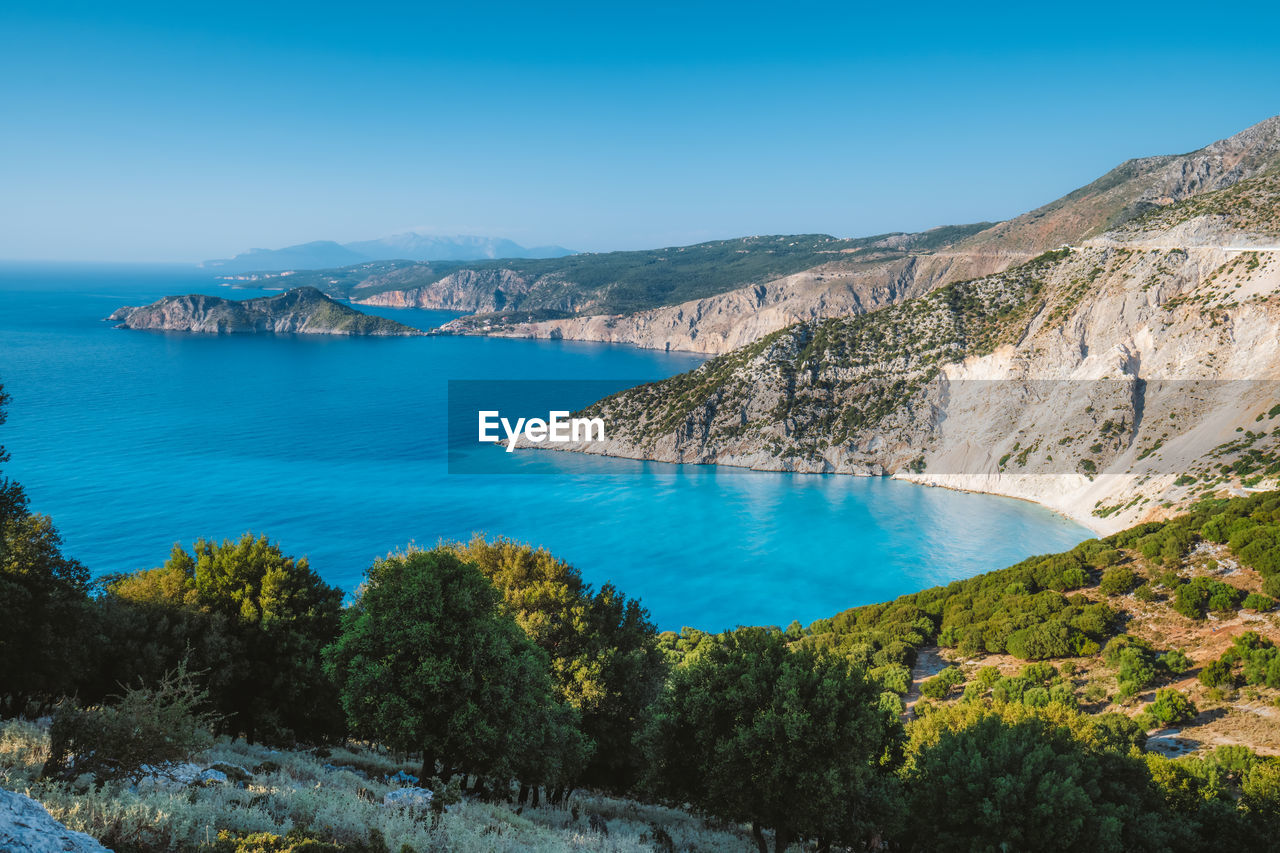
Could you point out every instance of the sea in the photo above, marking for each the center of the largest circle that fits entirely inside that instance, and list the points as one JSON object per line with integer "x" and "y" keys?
{"x": 337, "y": 448}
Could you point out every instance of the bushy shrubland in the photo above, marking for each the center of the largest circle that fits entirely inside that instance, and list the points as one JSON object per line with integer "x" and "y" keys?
{"x": 143, "y": 726}
{"x": 1252, "y": 659}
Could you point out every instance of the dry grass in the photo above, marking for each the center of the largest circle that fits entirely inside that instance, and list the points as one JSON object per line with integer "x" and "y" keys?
{"x": 328, "y": 803}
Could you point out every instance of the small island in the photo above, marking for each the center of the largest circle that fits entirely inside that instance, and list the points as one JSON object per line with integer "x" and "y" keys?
{"x": 303, "y": 311}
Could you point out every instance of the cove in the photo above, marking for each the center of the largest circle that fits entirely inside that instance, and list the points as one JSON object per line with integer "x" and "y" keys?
{"x": 336, "y": 448}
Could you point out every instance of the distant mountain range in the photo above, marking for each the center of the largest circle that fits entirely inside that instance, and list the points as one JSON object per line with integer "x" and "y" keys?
{"x": 410, "y": 246}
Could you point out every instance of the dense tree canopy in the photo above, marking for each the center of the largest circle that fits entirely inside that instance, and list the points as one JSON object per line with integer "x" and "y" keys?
{"x": 251, "y": 617}
{"x": 752, "y": 731}
{"x": 1012, "y": 778}
{"x": 429, "y": 659}
{"x": 602, "y": 648}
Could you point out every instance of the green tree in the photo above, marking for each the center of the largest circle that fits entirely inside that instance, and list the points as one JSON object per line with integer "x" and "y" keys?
{"x": 43, "y": 604}
{"x": 603, "y": 649}
{"x": 1015, "y": 778}
{"x": 13, "y": 501}
{"x": 254, "y": 618}
{"x": 750, "y": 730}
{"x": 429, "y": 660}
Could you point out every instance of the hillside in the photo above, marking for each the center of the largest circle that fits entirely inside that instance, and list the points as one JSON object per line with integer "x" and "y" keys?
{"x": 866, "y": 280}
{"x": 1182, "y": 605}
{"x": 625, "y": 282}
{"x": 303, "y": 311}
{"x": 718, "y": 296}
{"x": 1153, "y": 644}
{"x": 1109, "y": 380}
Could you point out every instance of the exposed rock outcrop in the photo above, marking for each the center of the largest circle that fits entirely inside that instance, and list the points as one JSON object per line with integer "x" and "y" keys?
{"x": 854, "y": 281}
{"x": 26, "y": 826}
{"x": 304, "y": 311}
{"x": 721, "y": 323}
{"x": 1113, "y": 381}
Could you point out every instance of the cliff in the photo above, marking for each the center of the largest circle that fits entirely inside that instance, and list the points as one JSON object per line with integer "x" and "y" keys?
{"x": 303, "y": 310}
{"x": 847, "y": 278}
{"x": 1112, "y": 381}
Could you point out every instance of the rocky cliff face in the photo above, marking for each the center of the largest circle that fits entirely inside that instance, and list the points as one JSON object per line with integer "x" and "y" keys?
{"x": 721, "y": 323}
{"x": 858, "y": 280}
{"x": 1112, "y": 381}
{"x": 304, "y": 311}
{"x": 481, "y": 291}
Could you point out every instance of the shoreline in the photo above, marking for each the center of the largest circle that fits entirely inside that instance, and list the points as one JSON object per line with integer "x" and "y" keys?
{"x": 1092, "y": 524}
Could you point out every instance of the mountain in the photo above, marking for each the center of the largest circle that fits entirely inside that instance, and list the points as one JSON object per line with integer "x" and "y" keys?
{"x": 612, "y": 294}
{"x": 715, "y": 297}
{"x": 303, "y": 311}
{"x": 425, "y": 247}
{"x": 325, "y": 254}
{"x": 1114, "y": 380}
{"x": 321, "y": 253}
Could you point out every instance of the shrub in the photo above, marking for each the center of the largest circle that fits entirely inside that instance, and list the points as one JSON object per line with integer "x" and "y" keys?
{"x": 1117, "y": 580}
{"x": 894, "y": 677}
{"x": 1175, "y": 661}
{"x": 941, "y": 685}
{"x": 1046, "y": 640}
{"x": 295, "y": 841}
{"x": 1171, "y": 707}
{"x": 145, "y": 726}
{"x": 1200, "y": 594}
{"x": 1260, "y": 603}
{"x": 1106, "y": 557}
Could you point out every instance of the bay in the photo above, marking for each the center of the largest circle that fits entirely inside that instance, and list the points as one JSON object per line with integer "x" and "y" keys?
{"x": 133, "y": 441}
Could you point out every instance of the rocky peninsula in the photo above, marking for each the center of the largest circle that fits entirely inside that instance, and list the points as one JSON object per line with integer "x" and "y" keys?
{"x": 303, "y": 311}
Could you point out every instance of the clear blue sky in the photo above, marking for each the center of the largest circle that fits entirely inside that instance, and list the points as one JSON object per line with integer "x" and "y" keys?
{"x": 181, "y": 131}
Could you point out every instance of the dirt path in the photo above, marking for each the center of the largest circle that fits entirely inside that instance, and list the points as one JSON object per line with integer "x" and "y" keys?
{"x": 928, "y": 664}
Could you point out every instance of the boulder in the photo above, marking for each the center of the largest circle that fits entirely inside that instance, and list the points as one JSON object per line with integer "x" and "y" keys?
{"x": 169, "y": 776}
{"x": 26, "y": 826}
{"x": 212, "y": 777}
{"x": 402, "y": 778}
{"x": 409, "y": 798}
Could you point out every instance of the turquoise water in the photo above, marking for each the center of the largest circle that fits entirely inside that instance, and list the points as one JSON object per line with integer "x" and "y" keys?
{"x": 335, "y": 447}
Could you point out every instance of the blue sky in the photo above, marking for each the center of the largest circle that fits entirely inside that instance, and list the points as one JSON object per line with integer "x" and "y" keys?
{"x": 182, "y": 131}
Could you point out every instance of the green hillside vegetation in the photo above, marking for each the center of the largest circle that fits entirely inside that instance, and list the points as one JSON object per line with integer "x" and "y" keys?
{"x": 544, "y": 714}
{"x": 837, "y": 377}
{"x": 344, "y": 318}
{"x": 1251, "y": 206}
{"x": 624, "y": 282}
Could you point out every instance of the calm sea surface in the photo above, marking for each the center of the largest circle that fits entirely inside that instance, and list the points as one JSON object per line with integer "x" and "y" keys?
{"x": 335, "y": 447}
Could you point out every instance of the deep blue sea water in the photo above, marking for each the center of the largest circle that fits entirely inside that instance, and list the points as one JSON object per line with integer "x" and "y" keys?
{"x": 335, "y": 447}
